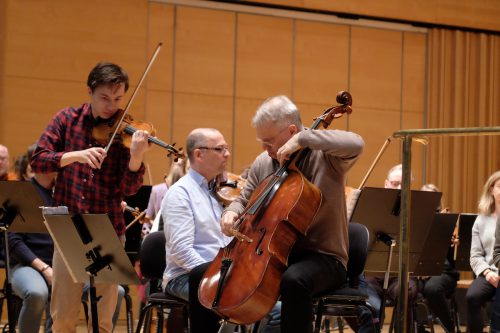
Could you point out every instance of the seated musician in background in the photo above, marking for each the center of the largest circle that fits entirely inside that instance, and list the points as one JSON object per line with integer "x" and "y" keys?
{"x": 495, "y": 311}
{"x": 485, "y": 284}
{"x": 317, "y": 262}
{"x": 178, "y": 168}
{"x": 437, "y": 288}
{"x": 5, "y": 173}
{"x": 374, "y": 285}
{"x": 191, "y": 214}
{"x": 31, "y": 259}
{"x": 90, "y": 180}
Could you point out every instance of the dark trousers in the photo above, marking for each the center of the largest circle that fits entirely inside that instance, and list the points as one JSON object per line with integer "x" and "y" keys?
{"x": 479, "y": 292}
{"x": 307, "y": 275}
{"x": 436, "y": 290}
{"x": 377, "y": 284}
{"x": 495, "y": 313}
{"x": 202, "y": 320}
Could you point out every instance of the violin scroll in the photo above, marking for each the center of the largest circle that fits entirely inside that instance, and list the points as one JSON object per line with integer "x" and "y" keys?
{"x": 344, "y": 99}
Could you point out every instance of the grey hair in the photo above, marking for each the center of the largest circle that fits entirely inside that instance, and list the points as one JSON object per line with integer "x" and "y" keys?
{"x": 277, "y": 110}
{"x": 430, "y": 187}
{"x": 398, "y": 167}
{"x": 486, "y": 204}
{"x": 198, "y": 138}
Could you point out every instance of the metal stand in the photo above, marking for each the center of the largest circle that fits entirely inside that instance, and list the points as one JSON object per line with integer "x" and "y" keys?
{"x": 90, "y": 238}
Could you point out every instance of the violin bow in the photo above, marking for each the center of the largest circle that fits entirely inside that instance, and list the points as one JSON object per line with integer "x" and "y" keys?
{"x": 134, "y": 93}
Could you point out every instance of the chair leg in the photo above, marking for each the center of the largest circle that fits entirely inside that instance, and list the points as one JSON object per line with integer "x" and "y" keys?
{"x": 454, "y": 314}
{"x": 393, "y": 319}
{"x": 340, "y": 323}
{"x": 159, "y": 319}
{"x": 130, "y": 316}
{"x": 145, "y": 318}
{"x": 319, "y": 315}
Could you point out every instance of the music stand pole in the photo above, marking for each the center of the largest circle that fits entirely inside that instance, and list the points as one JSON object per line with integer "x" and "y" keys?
{"x": 391, "y": 242}
{"x": 7, "y": 216}
{"x": 8, "y": 286}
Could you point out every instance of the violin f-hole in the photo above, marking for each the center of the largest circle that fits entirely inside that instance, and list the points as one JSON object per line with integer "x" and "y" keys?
{"x": 258, "y": 250}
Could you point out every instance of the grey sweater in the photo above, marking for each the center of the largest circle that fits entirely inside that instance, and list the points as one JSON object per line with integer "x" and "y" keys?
{"x": 333, "y": 153}
{"x": 482, "y": 242}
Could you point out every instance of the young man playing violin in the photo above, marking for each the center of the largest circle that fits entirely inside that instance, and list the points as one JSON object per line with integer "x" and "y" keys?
{"x": 318, "y": 261}
{"x": 89, "y": 180}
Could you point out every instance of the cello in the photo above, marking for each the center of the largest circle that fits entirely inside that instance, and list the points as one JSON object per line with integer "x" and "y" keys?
{"x": 242, "y": 283}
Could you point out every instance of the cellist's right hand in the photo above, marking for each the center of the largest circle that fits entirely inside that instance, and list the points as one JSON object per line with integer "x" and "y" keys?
{"x": 227, "y": 222}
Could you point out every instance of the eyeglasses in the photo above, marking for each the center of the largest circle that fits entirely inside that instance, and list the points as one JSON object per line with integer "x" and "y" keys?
{"x": 220, "y": 150}
{"x": 272, "y": 141}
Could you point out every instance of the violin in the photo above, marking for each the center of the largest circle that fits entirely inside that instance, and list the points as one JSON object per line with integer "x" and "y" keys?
{"x": 229, "y": 189}
{"x": 128, "y": 126}
{"x": 123, "y": 124}
{"x": 138, "y": 215}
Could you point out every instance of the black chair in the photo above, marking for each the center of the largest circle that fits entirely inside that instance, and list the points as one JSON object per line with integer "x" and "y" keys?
{"x": 348, "y": 301}
{"x": 152, "y": 259}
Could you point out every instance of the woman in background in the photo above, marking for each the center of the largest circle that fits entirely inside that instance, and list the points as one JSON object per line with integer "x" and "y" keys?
{"x": 483, "y": 288}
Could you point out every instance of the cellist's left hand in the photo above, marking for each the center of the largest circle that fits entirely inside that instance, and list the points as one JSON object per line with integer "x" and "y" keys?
{"x": 290, "y": 147}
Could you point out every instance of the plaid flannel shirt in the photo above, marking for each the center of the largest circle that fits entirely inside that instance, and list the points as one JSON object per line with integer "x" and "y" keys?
{"x": 78, "y": 186}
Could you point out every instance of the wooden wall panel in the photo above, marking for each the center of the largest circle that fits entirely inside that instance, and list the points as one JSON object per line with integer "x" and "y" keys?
{"x": 65, "y": 39}
{"x": 51, "y": 46}
{"x": 414, "y": 71}
{"x": 321, "y": 61}
{"x": 264, "y": 56}
{"x": 159, "y": 83}
{"x": 161, "y": 29}
{"x": 30, "y": 105}
{"x": 246, "y": 148}
{"x": 197, "y": 110}
{"x": 376, "y": 58}
{"x": 204, "y": 51}
{"x": 215, "y": 68}
{"x": 480, "y": 14}
{"x": 159, "y": 108}
{"x": 374, "y": 125}
{"x": 413, "y": 97}
{"x": 376, "y": 68}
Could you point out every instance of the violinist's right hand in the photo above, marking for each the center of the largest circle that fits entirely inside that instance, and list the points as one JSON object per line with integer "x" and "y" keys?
{"x": 92, "y": 156}
{"x": 227, "y": 222}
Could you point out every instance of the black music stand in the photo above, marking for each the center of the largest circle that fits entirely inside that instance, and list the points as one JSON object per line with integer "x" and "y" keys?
{"x": 437, "y": 245}
{"x": 378, "y": 209}
{"x": 91, "y": 251}
{"x": 19, "y": 212}
{"x": 465, "y": 223}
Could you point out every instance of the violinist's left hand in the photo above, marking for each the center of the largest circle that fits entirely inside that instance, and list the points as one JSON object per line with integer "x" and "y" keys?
{"x": 139, "y": 145}
{"x": 290, "y": 147}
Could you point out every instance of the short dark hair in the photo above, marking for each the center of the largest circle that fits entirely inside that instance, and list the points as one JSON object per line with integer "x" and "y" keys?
{"x": 106, "y": 73}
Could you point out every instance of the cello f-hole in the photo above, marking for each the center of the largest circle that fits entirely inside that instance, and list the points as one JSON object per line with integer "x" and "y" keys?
{"x": 258, "y": 250}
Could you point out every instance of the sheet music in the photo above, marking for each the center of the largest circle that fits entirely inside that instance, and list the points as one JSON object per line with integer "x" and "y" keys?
{"x": 59, "y": 210}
